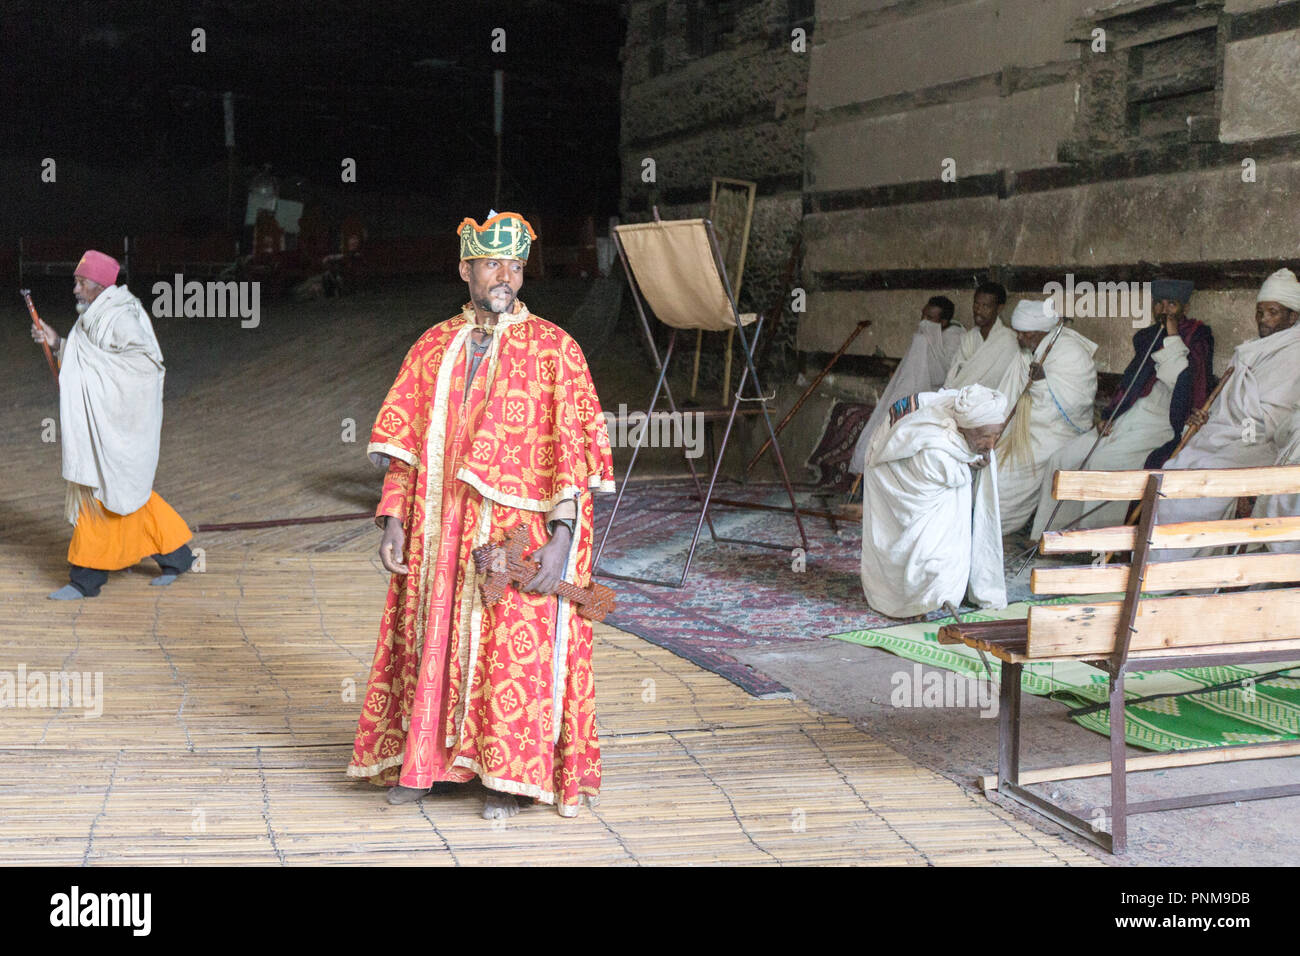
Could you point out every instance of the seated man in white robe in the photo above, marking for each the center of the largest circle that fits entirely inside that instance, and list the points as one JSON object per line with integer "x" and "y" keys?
{"x": 1169, "y": 377}
{"x": 987, "y": 349}
{"x": 1252, "y": 422}
{"x": 1054, "y": 381}
{"x": 922, "y": 369}
{"x": 1279, "y": 506}
{"x": 929, "y": 516}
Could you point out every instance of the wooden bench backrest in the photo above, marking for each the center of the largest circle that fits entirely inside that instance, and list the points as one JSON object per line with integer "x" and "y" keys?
{"x": 1194, "y": 620}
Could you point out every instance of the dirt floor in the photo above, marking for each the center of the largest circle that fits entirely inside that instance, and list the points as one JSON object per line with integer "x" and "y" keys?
{"x": 310, "y": 367}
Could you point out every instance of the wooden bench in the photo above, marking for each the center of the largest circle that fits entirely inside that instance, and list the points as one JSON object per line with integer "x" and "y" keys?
{"x": 1149, "y": 633}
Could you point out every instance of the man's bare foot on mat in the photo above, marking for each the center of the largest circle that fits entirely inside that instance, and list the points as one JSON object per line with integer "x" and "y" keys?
{"x": 499, "y": 806}
{"x": 400, "y": 794}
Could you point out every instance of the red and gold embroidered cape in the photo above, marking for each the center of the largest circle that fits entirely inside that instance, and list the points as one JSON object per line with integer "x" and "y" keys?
{"x": 457, "y": 689}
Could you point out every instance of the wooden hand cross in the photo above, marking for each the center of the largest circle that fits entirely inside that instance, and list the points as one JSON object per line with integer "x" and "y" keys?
{"x": 504, "y": 563}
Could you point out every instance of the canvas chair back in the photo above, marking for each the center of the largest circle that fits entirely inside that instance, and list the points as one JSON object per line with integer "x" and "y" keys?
{"x": 677, "y": 272}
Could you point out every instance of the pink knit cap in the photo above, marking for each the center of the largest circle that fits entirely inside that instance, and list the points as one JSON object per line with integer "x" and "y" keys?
{"x": 97, "y": 267}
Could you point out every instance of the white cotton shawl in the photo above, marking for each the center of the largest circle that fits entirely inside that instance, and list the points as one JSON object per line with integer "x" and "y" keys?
{"x": 110, "y": 401}
{"x": 983, "y": 361}
{"x": 928, "y": 536}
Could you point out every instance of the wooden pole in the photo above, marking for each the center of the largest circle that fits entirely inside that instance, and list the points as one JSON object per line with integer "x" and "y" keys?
{"x": 1136, "y": 514}
{"x": 36, "y": 324}
{"x": 808, "y": 391}
{"x": 498, "y": 127}
{"x": 1187, "y": 436}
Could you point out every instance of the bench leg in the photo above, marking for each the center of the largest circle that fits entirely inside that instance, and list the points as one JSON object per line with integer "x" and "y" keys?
{"x": 1118, "y": 769}
{"x": 1009, "y": 724}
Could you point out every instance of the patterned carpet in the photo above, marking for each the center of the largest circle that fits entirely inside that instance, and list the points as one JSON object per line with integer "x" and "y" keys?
{"x": 739, "y": 596}
{"x": 735, "y": 596}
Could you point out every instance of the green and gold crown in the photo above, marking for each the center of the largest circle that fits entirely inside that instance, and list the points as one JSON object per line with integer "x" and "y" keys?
{"x": 505, "y": 235}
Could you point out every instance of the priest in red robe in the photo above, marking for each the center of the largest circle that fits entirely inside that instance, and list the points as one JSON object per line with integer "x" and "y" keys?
{"x": 493, "y": 422}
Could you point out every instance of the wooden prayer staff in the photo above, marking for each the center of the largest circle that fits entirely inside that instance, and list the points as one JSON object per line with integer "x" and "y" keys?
{"x": 36, "y": 324}
{"x": 1187, "y": 436}
{"x": 808, "y": 391}
{"x": 1135, "y": 515}
{"x": 504, "y": 563}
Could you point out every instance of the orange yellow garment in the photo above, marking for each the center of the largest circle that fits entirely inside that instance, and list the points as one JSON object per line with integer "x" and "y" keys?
{"x": 110, "y": 542}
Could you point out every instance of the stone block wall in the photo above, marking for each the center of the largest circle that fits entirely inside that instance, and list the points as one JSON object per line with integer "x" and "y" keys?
{"x": 735, "y": 112}
{"x": 1014, "y": 95}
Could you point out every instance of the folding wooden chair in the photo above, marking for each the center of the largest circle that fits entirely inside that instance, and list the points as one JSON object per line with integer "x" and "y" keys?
{"x": 676, "y": 268}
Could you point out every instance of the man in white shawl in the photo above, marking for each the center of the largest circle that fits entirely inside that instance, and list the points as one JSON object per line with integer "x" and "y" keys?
{"x": 1253, "y": 421}
{"x": 1168, "y": 378}
{"x": 923, "y": 368}
{"x": 1057, "y": 407}
{"x": 930, "y": 507}
{"x": 1279, "y": 506}
{"x": 987, "y": 349}
{"x": 110, "y": 414}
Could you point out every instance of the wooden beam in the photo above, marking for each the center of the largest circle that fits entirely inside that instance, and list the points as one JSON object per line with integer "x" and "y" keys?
{"x": 1249, "y": 647}
{"x": 1196, "y": 620}
{"x": 1178, "y": 758}
{"x": 1217, "y": 572}
{"x": 1239, "y": 652}
{"x": 1188, "y": 483}
{"x": 1186, "y": 534}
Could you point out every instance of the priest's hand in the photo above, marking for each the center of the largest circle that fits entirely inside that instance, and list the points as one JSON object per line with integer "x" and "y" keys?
{"x": 391, "y": 546}
{"x": 1198, "y": 418}
{"x": 981, "y": 462}
{"x": 551, "y": 556}
{"x": 45, "y": 333}
{"x": 1036, "y": 373}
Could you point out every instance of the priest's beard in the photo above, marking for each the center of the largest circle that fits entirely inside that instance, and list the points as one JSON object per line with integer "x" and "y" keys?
{"x": 498, "y": 304}
{"x": 488, "y": 304}
{"x": 82, "y": 307}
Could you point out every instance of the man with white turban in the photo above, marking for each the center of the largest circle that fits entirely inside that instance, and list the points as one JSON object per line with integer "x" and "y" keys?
{"x": 924, "y": 365}
{"x": 1056, "y": 408}
{"x": 1253, "y": 421}
{"x": 988, "y": 348}
{"x": 930, "y": 530}
{"x": 1169, "y": 377}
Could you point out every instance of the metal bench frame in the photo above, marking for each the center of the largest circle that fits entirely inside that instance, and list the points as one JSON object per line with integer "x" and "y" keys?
{"x": 1117, "y": 665}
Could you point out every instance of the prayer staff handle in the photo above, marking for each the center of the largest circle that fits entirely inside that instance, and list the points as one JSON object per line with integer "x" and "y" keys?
{"x": 1136, "y": 514}
{"x": 36, "y": 324}
{"x": 806, "y": 392}
{"x": 1187, "y": 436}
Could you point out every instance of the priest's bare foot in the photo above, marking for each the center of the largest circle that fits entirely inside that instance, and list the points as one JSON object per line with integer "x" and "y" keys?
{"x": 499, "y": 806}
{"x": 400, "y": 794}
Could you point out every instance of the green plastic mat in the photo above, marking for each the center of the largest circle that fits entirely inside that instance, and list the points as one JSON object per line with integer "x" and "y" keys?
{"x": 1254, "y": 711}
